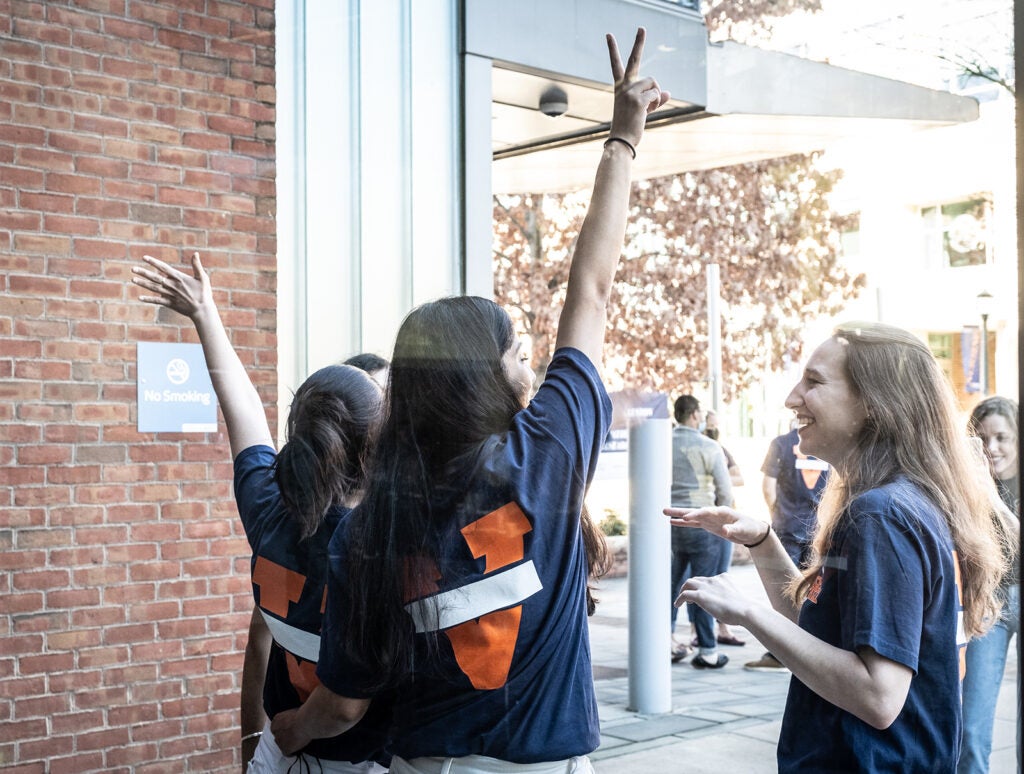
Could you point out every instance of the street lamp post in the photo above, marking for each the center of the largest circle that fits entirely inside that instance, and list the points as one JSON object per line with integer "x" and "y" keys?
{"x": 984, "y": 306}
{"x": 714, "y": 336}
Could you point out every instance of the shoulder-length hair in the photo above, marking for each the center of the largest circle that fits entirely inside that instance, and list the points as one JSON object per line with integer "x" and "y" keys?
{"x": 995, "y": 405}
{"x": 333, "y": 415}
{"x": 448, "y": 394}
{"x": 912, "y": 430}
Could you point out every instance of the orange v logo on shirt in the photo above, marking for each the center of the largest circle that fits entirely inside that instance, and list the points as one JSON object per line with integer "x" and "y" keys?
{"x": 279, "y": 588}
{"x": 481, "y": 619}
{"x": 484, "y": 647}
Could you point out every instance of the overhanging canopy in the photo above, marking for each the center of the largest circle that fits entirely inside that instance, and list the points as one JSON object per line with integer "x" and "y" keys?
{"x": 759, "y": 104}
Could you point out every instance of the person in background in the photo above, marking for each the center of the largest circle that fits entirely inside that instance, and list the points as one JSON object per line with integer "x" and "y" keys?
{"x": 792, "y": 486}
{"x": 712, "y": 431}
{"x": 906, "y": 563}
{"x": 259, "y": 642}
{"x": 468, "y": 554}
{"x": 374, "y": 365}
{"x": 994, "y": 421}
{"x": 699, "y": 478}
{"x": 290, "y": 502}
{"x": 725, "y": 635}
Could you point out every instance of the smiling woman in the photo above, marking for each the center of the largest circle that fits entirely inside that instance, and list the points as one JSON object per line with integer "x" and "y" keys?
{"x": 829, "y": 413}
{"x": 907, "y": 534}
{"x": 994, "y": 421}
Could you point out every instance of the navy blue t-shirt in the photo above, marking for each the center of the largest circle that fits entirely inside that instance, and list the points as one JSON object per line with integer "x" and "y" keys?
{"x": 289, "y": 579}
{"x": 799, "y": 482}
{"x": 890, "y": 582}
{"x": 510, "y": 596}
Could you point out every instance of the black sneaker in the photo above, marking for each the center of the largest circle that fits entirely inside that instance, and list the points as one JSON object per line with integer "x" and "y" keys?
{"x": 700, "y": 662}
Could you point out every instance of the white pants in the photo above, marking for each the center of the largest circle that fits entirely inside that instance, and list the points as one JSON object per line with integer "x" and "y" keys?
{"x": 268, "y": 759}
{"x": 481, "y": 764}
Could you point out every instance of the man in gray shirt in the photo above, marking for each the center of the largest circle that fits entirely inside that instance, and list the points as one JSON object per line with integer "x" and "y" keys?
{"x": 699, "y": 478}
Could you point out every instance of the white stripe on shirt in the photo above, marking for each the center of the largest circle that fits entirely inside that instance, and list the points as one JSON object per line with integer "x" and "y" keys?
{"x": 297, "y": 641}
{"x": 494, "y": 592}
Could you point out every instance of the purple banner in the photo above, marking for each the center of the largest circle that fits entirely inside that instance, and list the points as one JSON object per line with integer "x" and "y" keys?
{"x": 970, "y": 357}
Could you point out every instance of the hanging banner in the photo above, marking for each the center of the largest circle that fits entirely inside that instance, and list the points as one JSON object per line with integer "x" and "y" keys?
{"x": 628, "y": 408}
{"x": 970, "y": 357}
{"x": 175, "y": 394}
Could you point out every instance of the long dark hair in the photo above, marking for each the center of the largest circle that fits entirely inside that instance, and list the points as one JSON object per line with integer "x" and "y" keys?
{"x": 332, "y": 417}
{"x": 448, "y": 394}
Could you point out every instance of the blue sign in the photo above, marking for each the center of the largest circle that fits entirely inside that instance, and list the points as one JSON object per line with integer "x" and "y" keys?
{"x": 630, "y": 407}
{"x": 175, "y": 393}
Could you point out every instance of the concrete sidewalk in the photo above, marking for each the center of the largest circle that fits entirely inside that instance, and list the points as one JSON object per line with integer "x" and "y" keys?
{"x": 724, "y": 720}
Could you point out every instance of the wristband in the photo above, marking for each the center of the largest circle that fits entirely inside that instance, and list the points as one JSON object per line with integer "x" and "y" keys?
{"x": 253, "y": 735}
{"x": 627, "y": 143}
{"x": 759, "y": 542}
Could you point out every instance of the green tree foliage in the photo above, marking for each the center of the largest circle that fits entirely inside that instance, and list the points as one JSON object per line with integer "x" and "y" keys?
{"x": 767, "y": 224}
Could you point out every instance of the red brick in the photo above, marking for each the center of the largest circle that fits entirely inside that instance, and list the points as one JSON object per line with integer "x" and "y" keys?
{"x": 102, "y": 575}
{"x": 106, "y": 43}
{"x": 41, "y": 579}
{"x": 77, "y": 763}
{"x": 40, "y": 75}
{"x": 73, "y": 640}
{"x": 21, "y": 604}
{"x": 41, "y": 329}
{"x": 100, "y": 85}
{"x": 103, "y": 249}
{"x": 47, "y": 749}
{"x": 74, "y": 267}
{"x": 64, "y": 224}
{"x": 22, "y": 559}
{"x": 16, "y": 433}
{"x": 12, "y": 687}
{"x": 105, "y": 453}
{"x": 100, "y": 493}
{"x": 111, "y": 127}
{"x": 101, "y": 208}
{"x": 156, "y": 173}
{"x": 118, "y": 28}
{"x": 74, "y": 59}
{"x": 37, "y": 115}
{"x": 74, "y": 143}
{"x": 76, "y": 515}
{"x": 47, "y": 663}
{"x": 155, "y": 571}
{"x": 73, "y": 184}
{"x": 77, "y": 680}
{"x": 73, "y": 598}
{"x": 134, "y": 633}
{"x": 73, "y": 102}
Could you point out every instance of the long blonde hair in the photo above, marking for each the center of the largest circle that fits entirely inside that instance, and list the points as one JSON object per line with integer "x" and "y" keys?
{"x": 912, "y": 430}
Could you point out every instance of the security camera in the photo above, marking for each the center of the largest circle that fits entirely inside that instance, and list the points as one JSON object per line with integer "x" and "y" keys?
{"x": 554, "y": 102}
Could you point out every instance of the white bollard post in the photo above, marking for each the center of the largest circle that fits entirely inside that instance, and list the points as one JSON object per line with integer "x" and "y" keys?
{"x": 650, "y": 483}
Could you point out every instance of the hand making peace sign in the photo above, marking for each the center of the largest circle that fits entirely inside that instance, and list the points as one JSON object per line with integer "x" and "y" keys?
{"x": 635, "y": 97}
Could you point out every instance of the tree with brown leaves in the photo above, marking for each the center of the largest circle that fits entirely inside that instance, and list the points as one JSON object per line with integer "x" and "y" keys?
{"x": 769, "y": 227}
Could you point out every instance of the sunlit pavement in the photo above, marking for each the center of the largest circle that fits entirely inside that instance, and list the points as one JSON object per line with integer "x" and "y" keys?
{"x": 722, "y": 720}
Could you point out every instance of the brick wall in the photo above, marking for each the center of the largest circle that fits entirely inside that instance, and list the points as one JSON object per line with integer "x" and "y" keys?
{"x": 126, "y": 128}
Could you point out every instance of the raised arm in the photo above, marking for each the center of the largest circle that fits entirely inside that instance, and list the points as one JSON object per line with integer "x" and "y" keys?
{"x": 191, "y": 296}
{"x": 584, "y": 316}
